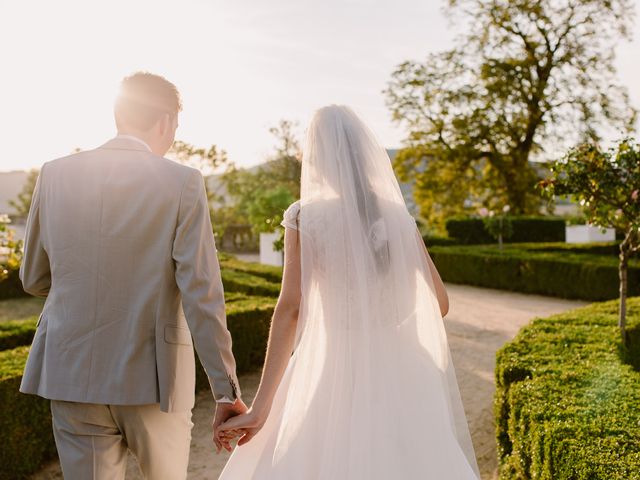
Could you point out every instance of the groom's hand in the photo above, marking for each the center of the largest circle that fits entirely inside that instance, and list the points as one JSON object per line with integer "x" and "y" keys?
{"x": 225, "y": 411}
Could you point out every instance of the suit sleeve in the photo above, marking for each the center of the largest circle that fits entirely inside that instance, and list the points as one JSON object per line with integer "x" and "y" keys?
{"x": 35, "y": 271}
{"x": 198, "y": 278}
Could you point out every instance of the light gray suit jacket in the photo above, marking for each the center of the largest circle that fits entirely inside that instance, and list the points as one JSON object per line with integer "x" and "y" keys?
{"x": 119, "y": 240}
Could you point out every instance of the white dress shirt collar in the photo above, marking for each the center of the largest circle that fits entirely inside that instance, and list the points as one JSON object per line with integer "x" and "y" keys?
{"x": 135, "y": 139}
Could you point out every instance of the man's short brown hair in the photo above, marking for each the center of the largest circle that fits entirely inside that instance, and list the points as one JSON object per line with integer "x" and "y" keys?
{"x": 143, "y": 99}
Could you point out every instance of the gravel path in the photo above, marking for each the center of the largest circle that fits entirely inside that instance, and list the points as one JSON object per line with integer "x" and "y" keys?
{"x": 479, "y": 323}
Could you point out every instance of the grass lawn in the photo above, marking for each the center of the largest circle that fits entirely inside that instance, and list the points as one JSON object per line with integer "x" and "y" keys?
{"x": 20, "y": 308}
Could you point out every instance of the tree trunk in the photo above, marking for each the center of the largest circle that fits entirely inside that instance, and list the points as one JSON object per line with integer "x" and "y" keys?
{"x": 622, "y": 273}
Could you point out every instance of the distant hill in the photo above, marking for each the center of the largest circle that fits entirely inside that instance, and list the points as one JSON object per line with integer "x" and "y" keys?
{"x": 10, "y": 185}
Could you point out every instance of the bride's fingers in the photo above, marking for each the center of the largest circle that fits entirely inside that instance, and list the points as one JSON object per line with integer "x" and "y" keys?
{"x": 248, "y": 435}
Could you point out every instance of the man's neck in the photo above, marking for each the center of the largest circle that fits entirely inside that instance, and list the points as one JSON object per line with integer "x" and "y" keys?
{"x": 134, "y": 137}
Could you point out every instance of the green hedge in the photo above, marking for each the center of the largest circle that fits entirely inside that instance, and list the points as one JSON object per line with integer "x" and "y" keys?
{"x": 11, "y": 287}
{"x": 25, "y": 422}
{"x": 249, "y": 284}
{"x": 267, "y": 272}
{"x": 566, "y": 274}
{"x": 432, "y": 240}
{"x": 17, "y": 333}
{"x": 471, "y": 231}
{"x": 26, "y": 419}
{"x": 567, "y": 403}
{"x": 248, "y": 322}
{"x": 246, "y": 277}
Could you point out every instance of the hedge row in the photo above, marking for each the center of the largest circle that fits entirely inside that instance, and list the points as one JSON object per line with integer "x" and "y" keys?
{"x": 11, "y": 287}
{"x": 264, "y": 279}
{"x": 26, "y": 419}
{"x": 566, "y": 274}
{"x": 471, "y": 230}
{"x": 249, "y": 284}
{"x": 25, "y": 422}
{"x": 267, "y": 272}
{"x": 567, "y": 403}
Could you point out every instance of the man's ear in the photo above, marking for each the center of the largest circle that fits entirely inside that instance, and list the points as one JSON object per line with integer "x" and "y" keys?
{"x": 164, "y": 124}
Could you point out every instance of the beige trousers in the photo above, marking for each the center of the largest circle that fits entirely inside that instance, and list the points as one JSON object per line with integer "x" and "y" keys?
{"x": 92, "y": 440}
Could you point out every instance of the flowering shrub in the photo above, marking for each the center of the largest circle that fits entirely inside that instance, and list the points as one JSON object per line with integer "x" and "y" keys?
{"x": 10, "y": 249}
{"x": 607, "y": 185}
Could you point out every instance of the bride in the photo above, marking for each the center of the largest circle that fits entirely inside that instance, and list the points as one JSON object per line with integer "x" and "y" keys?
{"x": 369, "y": 391}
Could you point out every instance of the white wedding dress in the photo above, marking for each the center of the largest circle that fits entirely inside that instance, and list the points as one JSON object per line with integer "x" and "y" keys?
{"x": 370, "y": 392}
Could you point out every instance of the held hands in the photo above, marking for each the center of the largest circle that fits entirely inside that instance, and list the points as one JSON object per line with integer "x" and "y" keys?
{"x": 245, "y": 426}
{"x": 225, "y": 411}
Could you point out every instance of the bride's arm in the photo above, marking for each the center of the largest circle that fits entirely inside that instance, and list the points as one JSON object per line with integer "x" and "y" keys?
{"x": 283, "y": 325}
{"x": 280, "y": 344}
{"x": 441, "y": 291}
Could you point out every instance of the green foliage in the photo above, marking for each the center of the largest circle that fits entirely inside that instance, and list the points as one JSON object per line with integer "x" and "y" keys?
{"x": 207, "y": 160}
{"x": 567, "y": 404}
{"x": 529, "y": 269}
{"x": 261, "y": 195}
{"x": 473, "y": 230}
{"x": 248, "y": 284}
{"x": 22, "y": 204}
{"x": 10, "y": 250}
{"x": 525, "y": 77}
{"x": 10, "y": 285}
{"x": 500, "y": 227}
{"x": 248, "y": 322}
{"x": 17, "y": 333}
{"x": 605, "y": 183}
{"x": 265, "y": 212}
{"x": 25, "y": 421}
{"x": 433, "y": 240}
{"x": 267, "y": 272}
{"x": 20, "y": 308}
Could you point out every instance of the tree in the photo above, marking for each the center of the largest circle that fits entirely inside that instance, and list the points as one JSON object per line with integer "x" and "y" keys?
{"x": 607, "y": 185}
{"x": 261, "y": 195}
{"x": 527, "y": 78}
{"x": 22, "y": 204}
{"x": 207, "y": 160}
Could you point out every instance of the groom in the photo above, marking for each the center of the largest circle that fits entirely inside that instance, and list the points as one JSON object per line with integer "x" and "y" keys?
{"x": 119, "y": 240}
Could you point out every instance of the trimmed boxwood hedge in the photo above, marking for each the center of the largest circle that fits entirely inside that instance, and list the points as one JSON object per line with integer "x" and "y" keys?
{"x": 567, "y": 403}
{"x": 25, "y": 422}
{"x": 555, "y": 271}
{"x": 11, "y": 287}
{"x": 471, "y": 230}
{"x": 268, "y": 272}
{"x": 16, "y": 333}
{"x": 249, "y": 284}
{"x": 26, "y": 419}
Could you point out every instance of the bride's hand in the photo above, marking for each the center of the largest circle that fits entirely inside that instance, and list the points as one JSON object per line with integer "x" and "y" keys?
{"x": 246, "y": 426}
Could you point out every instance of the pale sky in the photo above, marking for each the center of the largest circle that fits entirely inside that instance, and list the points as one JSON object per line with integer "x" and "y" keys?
{"x": 241, "y": 66}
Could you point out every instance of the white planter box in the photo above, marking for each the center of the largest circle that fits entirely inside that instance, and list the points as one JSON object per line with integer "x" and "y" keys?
{"x": 588, "y": 234}
{"x": 268, "y": 255}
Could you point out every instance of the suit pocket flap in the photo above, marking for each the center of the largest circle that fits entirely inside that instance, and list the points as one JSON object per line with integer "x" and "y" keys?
{"x": 177, "y": 335}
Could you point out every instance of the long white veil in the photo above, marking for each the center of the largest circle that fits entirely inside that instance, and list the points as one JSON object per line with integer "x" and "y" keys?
{"x": 369, "y": 307}
{"x": 370, "y": 391}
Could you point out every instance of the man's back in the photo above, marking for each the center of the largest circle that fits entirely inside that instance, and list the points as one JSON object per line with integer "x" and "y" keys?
{"x": 113, "y": 325}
